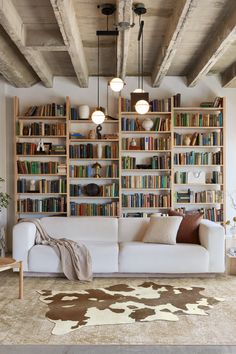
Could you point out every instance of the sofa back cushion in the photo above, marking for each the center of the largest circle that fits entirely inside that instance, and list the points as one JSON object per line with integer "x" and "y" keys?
{"x": 132, "y": 229}
{"x": 82, "y": 228}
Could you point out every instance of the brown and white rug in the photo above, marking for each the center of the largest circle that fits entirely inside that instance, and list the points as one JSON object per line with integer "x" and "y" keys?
{"x": 121, "y": 303}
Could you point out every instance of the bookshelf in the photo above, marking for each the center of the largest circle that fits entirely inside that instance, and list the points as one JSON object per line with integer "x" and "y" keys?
{"x": 199, "y": 160}
{"x": 145, "y": 160}
{"x": 137, "y": 168}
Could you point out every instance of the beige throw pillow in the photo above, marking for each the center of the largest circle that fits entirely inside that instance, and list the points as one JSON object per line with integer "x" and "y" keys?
{"x": 162, "y": 229}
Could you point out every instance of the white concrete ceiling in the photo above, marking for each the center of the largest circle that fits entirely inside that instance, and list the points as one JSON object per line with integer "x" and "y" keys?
{"x": 47, "y": 38}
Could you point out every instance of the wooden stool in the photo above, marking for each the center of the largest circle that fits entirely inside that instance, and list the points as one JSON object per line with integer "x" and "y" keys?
{"x": 10, "y": 263}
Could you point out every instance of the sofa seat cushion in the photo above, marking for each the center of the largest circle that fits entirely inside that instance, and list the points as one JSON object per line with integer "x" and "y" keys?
{"x": 104, "y": 256}
{"x": 139, "y": 257}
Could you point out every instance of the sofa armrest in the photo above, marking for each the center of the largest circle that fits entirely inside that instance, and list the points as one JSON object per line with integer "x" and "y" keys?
{"x": 212, "y": 237}
{"x": 23, "y": 239}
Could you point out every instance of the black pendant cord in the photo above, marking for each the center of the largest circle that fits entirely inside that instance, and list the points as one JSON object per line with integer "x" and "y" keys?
{"x": 139, "y": 56}
{"x": 116, "y": 58}
{"x": 98, "y": 76}
{"x": 142, "y": 57}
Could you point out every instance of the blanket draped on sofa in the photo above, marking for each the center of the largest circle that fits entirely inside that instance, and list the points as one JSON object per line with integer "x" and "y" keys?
{"x": 75, "y": 257}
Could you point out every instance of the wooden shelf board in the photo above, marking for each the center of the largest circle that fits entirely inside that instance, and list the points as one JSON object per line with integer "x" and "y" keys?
{"x": 94, "y": 140}
{"x": 40, "y": 136}
{"x": 146, "y": 208}
{"x": 146, "y": 114}
{"x": 177, "y": 203}
{"x": 95, "y": 197}
{"x": 197, "y": 165}
{"x": 41, "y": 174}
{"x": 93, "y": 159}
{"x": 145, "y": 132}
{"x": 146, "y": 189}
{"x": 145, "y": 170}
{"x": 36, "y": 155}
{"x": 95, "y": 178}
{"x": 198, "y": 184}
{"x": 197, "y": 146}
{"x": 28, "y": 193}
{"x": 86, "y": 121}
{"x": 94, "y": 216}
{"x": 40, "y": 117}
{"x": 151, "y": 151}
{"x": 179, "y": 109}
{"x": 42, "y": 212}
{"x": 194, "y": 127}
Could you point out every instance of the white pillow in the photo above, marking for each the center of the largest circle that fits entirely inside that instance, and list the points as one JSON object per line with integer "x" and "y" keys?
{"x": 162, "y": 229}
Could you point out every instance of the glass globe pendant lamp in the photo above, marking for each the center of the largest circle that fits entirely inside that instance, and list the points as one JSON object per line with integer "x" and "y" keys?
{"x": 142, "y": 107}
{"x": 116, "y": 84}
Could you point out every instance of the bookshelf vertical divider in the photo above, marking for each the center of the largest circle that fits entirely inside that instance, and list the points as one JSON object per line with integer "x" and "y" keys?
{"x": 172, "y": 152}
{"x": 68, "y": 108}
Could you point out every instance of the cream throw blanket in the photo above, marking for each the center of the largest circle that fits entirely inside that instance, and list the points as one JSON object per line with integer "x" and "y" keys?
{"x": 75, "y": 257}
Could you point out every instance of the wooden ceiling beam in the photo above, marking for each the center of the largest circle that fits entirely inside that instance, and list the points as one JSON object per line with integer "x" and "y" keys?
{"x": 215, "y": 46}
{"x": 14, "y": 27}
{"x": 124, "y": 14}
{"x": 13, "y": 65}
{"x": 228, "y": 77}
{"x": 65, "y": 13}
{"x": 171, "y": 40}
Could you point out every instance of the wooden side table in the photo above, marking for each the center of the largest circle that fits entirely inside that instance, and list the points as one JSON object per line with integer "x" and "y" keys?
{"x": 10, "y": 263}
{"x": 230, "y": 260}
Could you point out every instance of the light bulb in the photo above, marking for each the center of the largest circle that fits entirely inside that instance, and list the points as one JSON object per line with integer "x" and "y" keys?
{"x": 116, "y": 84}
{"x": 98, "y": 117}
{"x": 142, "y": 106}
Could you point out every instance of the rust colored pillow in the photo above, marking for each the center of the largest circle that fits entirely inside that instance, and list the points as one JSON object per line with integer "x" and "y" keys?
{"x": 189, "y": 227}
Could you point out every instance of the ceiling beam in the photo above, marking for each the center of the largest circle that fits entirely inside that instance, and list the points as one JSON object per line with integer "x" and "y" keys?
{"x": 14, "y": 27}
{"x": 171, "y": 40}
{"x": 216, "y": 45}
{"x": 124, "y": 14}
{"x": 65, "y": 13}
{"x": 13, "y": 65}
{"x": 228, "y": 77}
{"x": 45, "y": 39}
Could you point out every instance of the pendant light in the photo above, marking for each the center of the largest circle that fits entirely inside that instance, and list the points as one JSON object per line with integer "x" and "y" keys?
{"x": 98, "y": 115}
{"x": 141, "y": 106}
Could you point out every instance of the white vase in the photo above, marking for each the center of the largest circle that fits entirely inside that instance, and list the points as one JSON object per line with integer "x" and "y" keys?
{"x": 99, "y": 151}
{"x": 84, "y": 111}
{"x": 147, "y": 124}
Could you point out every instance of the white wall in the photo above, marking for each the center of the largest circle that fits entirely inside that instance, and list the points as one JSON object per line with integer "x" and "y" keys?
{"x": 206, "y": 90}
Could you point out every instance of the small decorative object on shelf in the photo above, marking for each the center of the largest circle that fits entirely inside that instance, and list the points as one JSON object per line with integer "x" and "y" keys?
{"x": 92, "y": 189}
{"x": 84, "y": 111}
{"x": 40, "y": 147}
{"x": 147, "y": 124}
{"x": 187, "y": 140}
{"x": 98, "y": 131}
{"x": 92, "y": 134}
{"x": 32, "y": 186}
{"x": 99, "y": 150}
{"x": 97, "y": 168}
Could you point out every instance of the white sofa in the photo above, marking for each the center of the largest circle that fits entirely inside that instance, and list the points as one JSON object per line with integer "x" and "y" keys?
{"x": 116, "y": 247}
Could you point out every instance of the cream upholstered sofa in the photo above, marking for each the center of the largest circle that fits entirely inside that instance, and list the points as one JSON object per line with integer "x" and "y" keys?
{"x": 116, "y": 247}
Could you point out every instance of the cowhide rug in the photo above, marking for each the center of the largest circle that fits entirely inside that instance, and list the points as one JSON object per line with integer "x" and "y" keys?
{"x": 121, "y": 303}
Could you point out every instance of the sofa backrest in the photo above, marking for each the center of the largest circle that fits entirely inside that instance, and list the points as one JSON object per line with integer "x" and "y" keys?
{"x": 82, "y": 228}
{"x": 132, "y": 229}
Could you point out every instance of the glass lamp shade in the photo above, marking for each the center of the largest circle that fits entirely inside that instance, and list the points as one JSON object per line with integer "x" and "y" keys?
{"x": 98, "y": 117}
{"x": 138, "y": 90}
{"x": 142, "y": 106}
{"x": 116, "y": 84}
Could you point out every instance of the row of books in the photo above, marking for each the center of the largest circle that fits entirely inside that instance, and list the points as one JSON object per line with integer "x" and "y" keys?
{"x": 198, "y": 158}
{"x": 90, "y": 151}
{"x": 161, "y": 105}
{"x": 50, "y": 109}
{"x": 198, "y": 120}
{"x": 37, "y": 167}
{"x": 147, "y": 181}
{"x": 213, "y": 214}
{"x": 177, "y": 100}
{"x": 92, "y": 209}
{"x": 150, "y": 200}
{"x": 133, "y": 124}
{"x": 199, "y": 139}
{"x": 32, "y": 149}
{"x": 217, "y": 102}
{"x": 147, "y": 143}
{"x": 41, "y": 205}
{"x": 90, "y": 171}
{"x": 109, "y": 190}
{"x": 40, "y": 128}
{"x": 155, "y": 162}
{"x": 75, "y": 190}
{"x": 206, "y": 196}
{"x": 213, "y": 177}
{"x": 41, "y": 186}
